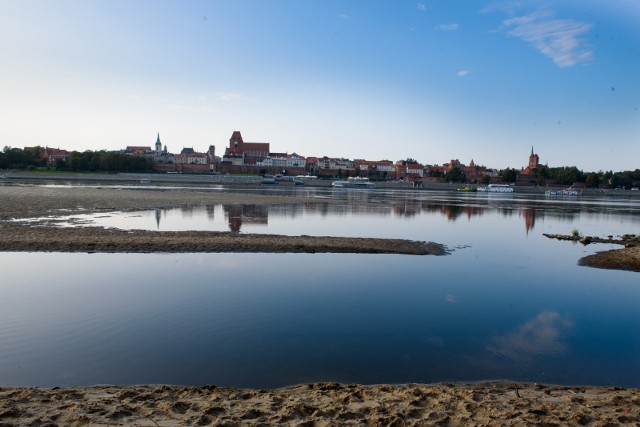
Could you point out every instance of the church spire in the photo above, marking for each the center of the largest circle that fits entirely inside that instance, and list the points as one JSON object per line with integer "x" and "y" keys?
{"x": 531, "y": 148}
{"x": 158, "y": 140}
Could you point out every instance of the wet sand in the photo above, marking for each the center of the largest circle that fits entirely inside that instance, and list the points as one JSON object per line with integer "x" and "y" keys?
{"x": 28, "y": 202}
{"x": 100, "y": 240}
{"x": 627, "y": 258}
{"x": 323, "y": 404}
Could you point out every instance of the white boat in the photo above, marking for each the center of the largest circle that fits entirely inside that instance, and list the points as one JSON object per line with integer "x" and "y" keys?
{"x": 145, "y": 181}
{"x": 497, "y": 188}
{"x": 281, "y": 180}
{"x": 354, "y": 182}
{"x": 567, "y": 192}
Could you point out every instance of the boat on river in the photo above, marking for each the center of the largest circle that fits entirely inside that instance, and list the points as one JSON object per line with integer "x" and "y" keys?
{"x": 566, "y": 192}
{"x": 353, "y": 182}
{"x": 497, "y": 188}
{"x": 281, "y": 180}
{"x": 468, "y": 189}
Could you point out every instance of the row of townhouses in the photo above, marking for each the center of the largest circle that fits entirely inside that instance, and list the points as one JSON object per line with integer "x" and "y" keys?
{"x": 257, "y": 158}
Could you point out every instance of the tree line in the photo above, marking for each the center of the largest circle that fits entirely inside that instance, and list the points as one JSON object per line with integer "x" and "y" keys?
{"x": 86, "y": 161}
{"x": 568, "y": 175}
{"x": 115, "y": 161}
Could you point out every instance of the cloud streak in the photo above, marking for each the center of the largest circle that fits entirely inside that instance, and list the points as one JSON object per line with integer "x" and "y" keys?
{"x": 558, "y": 39}
{"x": 448, "y": 27}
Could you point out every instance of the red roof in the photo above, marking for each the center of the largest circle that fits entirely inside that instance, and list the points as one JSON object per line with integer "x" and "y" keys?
{"x": 258, "y": 146}
{"x": 236, "y": 136}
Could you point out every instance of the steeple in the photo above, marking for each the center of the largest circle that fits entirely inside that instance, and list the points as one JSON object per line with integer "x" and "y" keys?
{"x": 158, "y": 144}
{"x": 531, "y": 149}
{"x": 158, "y": 141}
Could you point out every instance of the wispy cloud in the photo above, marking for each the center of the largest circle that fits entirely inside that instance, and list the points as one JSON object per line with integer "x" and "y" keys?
{"x": 421, "y": 6}
{"x": 559, "y": 39}
{"x": 230, "y": 96}
{"x": 448, "y": 27}
{"x": 343, "y": 16}
{"x": 462, "y": 73}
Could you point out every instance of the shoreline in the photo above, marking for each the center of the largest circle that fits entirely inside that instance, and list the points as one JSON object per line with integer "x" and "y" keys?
{"x": 322, "y": 404}
{"x": 627, "y": 258}
{"x": 99, "y": 240}
{"x": 252, "y": 181}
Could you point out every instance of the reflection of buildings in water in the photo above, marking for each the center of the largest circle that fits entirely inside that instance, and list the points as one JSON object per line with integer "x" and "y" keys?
{"x": 210, "y": 209}
{"x": 341, "y": 209}
{"x": 407, "y": 207}
{"x": 529, "y": 218}
{"x": 453, "y": 211}
{"x": 158, "y": 214}
{"x": 187, "y": 211}
{"x": 245, "y": 214}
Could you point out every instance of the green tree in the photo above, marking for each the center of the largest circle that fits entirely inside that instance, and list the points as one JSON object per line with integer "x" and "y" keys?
{"x": 455, "y": 174}
{"x": 486, "y": 179}
{"x": 592, "y": 180}
{"x": 509, "y": 175}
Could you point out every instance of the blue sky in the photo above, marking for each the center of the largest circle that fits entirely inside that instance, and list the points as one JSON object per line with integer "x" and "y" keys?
{"x": 373, "y": 79}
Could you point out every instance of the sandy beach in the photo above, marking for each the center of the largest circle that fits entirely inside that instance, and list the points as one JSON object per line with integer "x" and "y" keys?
{"x": 323, "y": 404}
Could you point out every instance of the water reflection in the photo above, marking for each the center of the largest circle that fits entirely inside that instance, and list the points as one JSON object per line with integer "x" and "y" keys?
{"x": 529, "y": 218}
{"x": 238, "y": 214}
{"x": 541, "y": 336}
{"x": 312, "y": 213}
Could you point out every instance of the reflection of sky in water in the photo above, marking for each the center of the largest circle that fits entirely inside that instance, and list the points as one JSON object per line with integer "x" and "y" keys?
{"x": 512, "y": 305}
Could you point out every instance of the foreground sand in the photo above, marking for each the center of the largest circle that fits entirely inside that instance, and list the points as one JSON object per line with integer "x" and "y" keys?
{"x": 323, "y": 404}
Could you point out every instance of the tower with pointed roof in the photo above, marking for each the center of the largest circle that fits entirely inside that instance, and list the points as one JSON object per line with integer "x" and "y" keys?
{"x": 534, "y": 160}
{"x": 158, "y": 144}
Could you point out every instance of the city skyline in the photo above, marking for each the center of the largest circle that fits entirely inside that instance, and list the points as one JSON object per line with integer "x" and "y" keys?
{"x": 430, "y": 80}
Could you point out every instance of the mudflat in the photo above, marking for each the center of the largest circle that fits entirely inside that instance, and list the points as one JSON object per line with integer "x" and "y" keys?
{"x": 30, "y": 201}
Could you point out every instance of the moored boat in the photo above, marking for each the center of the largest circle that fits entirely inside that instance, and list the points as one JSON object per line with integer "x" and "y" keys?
{"x": 566, "y": 192}
{"x": 281, "y": 180}
{"x": 353, "y": 182}
{"x": 497, "y": 188}
{"x": 468, "y": 189}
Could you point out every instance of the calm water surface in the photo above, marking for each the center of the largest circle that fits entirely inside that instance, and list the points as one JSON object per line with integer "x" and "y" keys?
{"x": 507, "y": 303}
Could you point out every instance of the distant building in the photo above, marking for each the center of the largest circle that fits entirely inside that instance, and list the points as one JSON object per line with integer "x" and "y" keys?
{"x": 141, "y": 151}
{"x": 241, "y": 153}
{"x": 534, "y": 164}
{"x": 530, "y": 175}
{"x": 161, "y": 155}
{"x": 55, "y": 155}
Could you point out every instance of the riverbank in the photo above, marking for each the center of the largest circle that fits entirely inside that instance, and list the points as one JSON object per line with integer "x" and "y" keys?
{"x": 323, "y": 404}
{"x": 627, "y": 258}
{"x": 161, "y": 179}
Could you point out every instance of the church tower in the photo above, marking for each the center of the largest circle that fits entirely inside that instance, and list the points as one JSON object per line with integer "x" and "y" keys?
{"x": 533, "y": 160}
{"x": 158, "y": 144}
